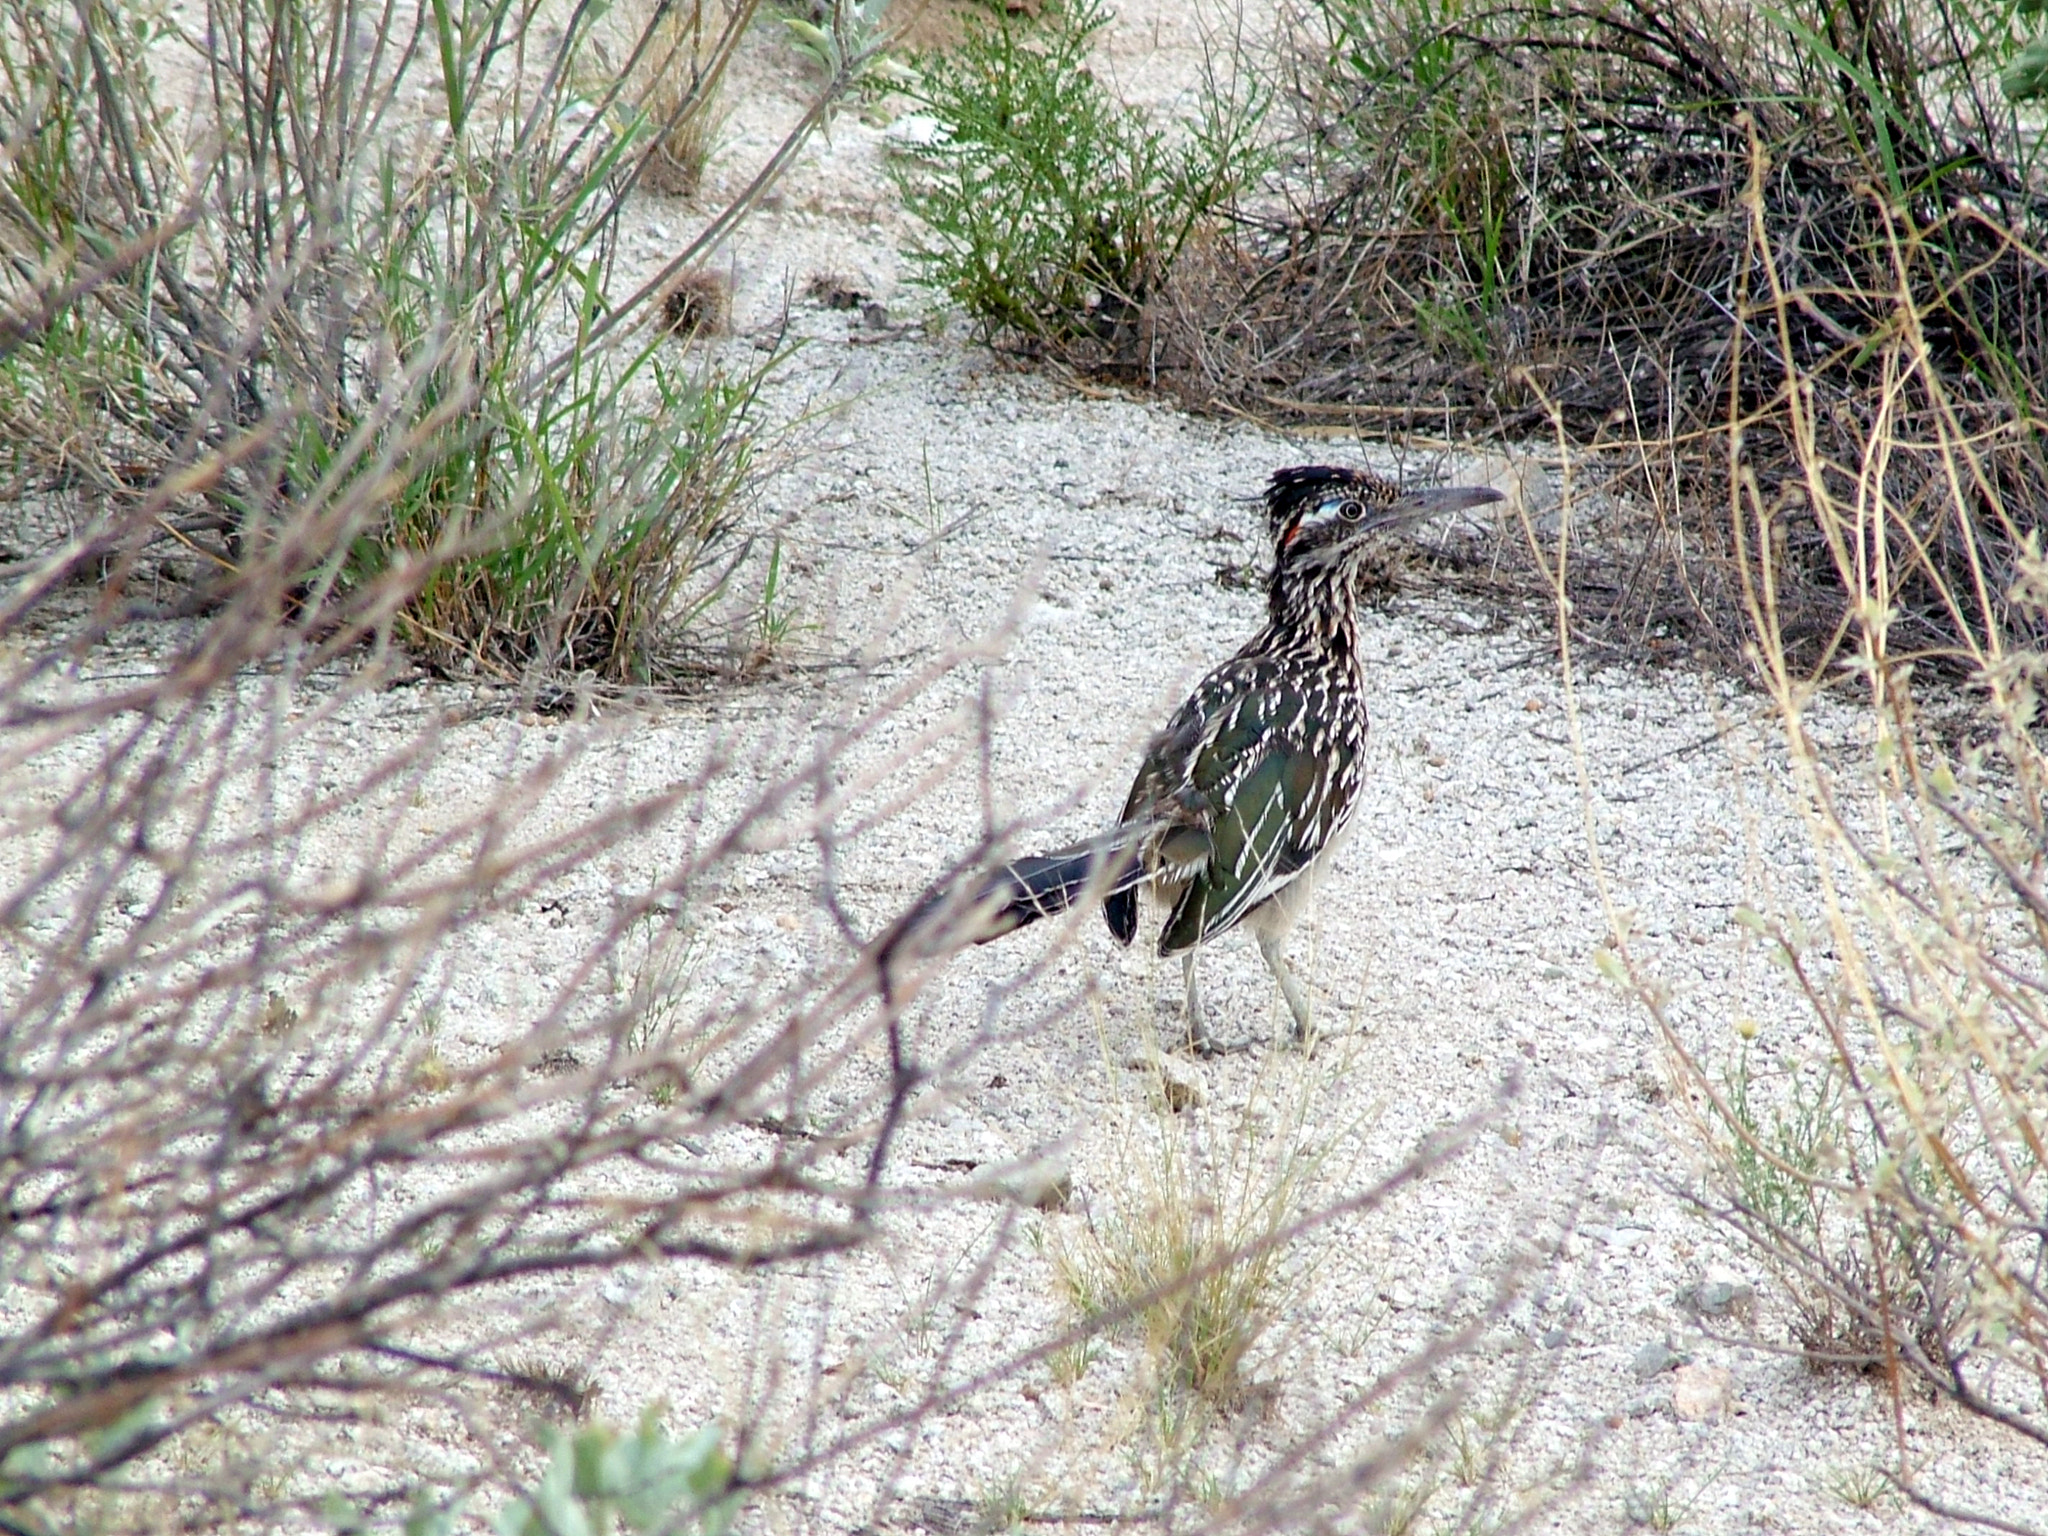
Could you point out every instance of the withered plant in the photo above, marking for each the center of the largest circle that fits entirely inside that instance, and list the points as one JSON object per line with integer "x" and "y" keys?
{"x": 1503, "y": 219}
{"x": 1878, "y": 1137}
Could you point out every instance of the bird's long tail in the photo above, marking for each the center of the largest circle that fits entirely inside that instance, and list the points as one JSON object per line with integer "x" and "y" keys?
{"x": 1024, "y": 890}
{"x": 1046, "y": 884}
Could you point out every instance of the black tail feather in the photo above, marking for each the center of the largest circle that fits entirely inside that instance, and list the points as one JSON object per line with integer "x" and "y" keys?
{"x": 1024, "y": 890}
{"x": 1046, "y": 884}
{"x": 1120, "y": 911}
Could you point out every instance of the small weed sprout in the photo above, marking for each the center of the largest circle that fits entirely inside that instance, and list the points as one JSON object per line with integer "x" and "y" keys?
{"x": 776, "y": 616}
{"x": 1399, "y": 1510}
{"x": 1070, "y": 1363}
{"x": 1652, "y": 1508}
{"x": 669, "y": 950}
{"x": 1864, "y": 1486}
{"x": 1003, "y": 1507}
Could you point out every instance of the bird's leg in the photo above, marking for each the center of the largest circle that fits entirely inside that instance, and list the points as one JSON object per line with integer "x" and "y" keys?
{"x": 1274, "y": 947}
{"x": 1198, "y": 1023}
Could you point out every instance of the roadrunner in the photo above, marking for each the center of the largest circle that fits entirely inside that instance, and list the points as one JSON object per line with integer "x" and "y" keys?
{"x": 1243, "y": 799}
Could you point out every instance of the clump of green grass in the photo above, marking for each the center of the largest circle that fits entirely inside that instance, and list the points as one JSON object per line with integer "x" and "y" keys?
{"x": 618, "y": 510}
{"x": 1200, "y": 1304}
{"x": 1190, "y": 1251}
{"x": 1863, "y": 1486}
{"x": 375, "y": 358}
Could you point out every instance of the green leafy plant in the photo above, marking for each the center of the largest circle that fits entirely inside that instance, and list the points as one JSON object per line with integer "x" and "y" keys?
{"x": 845, "y": 43}
{"x": 2026, "y": 77}
{"x": 599, "y": 1481}
{"x": 1056, "y": 213}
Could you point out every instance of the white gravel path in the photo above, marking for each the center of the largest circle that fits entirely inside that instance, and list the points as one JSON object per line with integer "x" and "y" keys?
{"x": 1451, "y": 952}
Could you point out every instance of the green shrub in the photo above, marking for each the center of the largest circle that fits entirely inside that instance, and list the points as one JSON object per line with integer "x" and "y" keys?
{"x": 1055, "y": 213}
{"x": 372, "y": 345}
{"x": 599, "y": 1481}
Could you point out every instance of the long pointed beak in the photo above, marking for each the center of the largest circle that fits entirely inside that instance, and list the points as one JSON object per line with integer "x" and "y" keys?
{"x": 1415, "y": 506}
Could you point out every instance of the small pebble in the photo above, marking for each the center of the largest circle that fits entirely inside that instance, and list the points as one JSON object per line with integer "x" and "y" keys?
{"x": 1717, "y": 1298}
{"x": 1655, "y": 1358}
{"x": 1701, "y": 1394}
{"x": 1181, "y": 1095}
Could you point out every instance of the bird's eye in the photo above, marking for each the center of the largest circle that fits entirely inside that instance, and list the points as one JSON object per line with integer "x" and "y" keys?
{"x": 1351, "y": 509}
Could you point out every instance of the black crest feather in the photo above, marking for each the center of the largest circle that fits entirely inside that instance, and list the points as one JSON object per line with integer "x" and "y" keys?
{"x": 1292, "y": 492}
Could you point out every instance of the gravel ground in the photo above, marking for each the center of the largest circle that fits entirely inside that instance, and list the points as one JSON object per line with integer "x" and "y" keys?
{"x": 1069, "y": 547}
{"x": 1452, "y": 950}
{"x": 1451, "y": 953}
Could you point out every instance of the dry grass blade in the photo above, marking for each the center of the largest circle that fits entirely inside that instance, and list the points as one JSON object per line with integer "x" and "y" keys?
{"x": 1879, "y": 1135}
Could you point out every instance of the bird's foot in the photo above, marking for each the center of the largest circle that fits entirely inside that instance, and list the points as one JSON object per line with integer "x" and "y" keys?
{"x": 1209, "y": 1048}
{"x": 1200, "y": 1041}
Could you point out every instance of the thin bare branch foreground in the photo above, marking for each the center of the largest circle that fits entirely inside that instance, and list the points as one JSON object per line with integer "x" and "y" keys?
{"x": 345, "y": 512}
{"x": 265, "y": 1199}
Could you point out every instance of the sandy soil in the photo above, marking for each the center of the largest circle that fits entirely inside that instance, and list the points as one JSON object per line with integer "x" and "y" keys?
{"x": 1452, "y": 950}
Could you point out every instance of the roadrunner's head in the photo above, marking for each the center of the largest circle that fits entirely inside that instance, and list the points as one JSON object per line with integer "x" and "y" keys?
{"x": 1322, "y": 518}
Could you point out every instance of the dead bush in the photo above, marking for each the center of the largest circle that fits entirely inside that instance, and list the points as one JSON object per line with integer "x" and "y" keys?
{"x": 1534, "y": 221}
{"x": 1878, "y": 1138}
